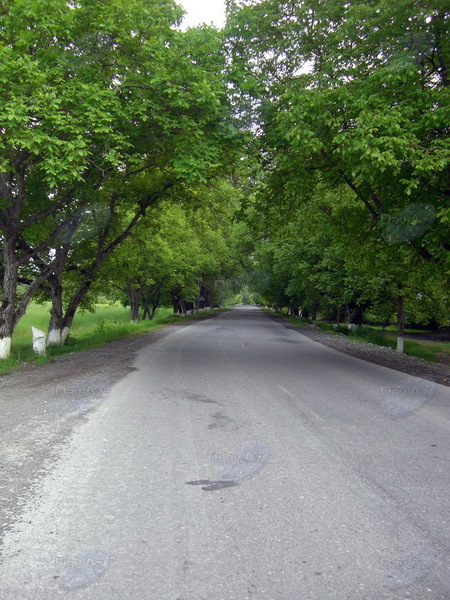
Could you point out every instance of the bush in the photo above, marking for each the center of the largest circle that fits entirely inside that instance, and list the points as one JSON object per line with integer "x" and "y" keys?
{"x": 361, "y": 331}
{"x": 342, "y": 328}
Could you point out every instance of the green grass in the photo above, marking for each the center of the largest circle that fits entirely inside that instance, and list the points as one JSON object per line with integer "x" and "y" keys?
{"x": 432, "y": 351}
{"x": 89, "y": 330}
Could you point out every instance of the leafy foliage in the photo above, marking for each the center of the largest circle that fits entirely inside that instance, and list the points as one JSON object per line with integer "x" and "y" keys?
{"x": 350, "y": 109}
{"x": 91, "y": 96}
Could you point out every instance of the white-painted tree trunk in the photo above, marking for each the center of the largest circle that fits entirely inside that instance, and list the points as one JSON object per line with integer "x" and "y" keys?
{"x": 5, "y": 347}
{"x": 64, "y": 334}
{"x": 56, "y": 337}
{"x": 400, "y": 320}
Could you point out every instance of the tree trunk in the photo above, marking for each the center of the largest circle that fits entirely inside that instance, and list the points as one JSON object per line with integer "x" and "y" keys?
{"x": 400, "y": 322}
{"x": 56, "y": 335}
{"x": 205, "y": 297}
{"x": 10, "y": 267}
{"x": 177, "y": 309}
{"x": 12, "y": 308}
{"x": 134, "y": 295}
{"x": 314, "y": 312}
{"x": 355, "y": 314}
{"x": 60, "y": 322}
{"x": 57, "y": 329}
{"x": 146, "y": 310}
{"x": 71, "y": 310}
{"x": 9, "y": 294}
{"x": 152, "y": 301}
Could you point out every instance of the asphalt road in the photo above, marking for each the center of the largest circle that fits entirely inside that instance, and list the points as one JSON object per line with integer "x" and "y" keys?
{"x": 242, "y": 460}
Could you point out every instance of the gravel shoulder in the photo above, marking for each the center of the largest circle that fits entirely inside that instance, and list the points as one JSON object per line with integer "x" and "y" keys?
{"x": 380, "y": 355}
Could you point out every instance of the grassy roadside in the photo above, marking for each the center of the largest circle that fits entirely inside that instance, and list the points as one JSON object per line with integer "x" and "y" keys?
{"x": 432, "y": 351}
{"x": 89, "y": 330}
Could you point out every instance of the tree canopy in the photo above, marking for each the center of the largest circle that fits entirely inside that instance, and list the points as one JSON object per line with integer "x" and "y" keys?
{"x": 126, "y": 141}
{"x": 92, "y": 94}
{"x": 350, "y": 107}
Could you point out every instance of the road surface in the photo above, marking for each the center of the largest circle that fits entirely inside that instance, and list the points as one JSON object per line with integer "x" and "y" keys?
{"x": 241, "y": 460}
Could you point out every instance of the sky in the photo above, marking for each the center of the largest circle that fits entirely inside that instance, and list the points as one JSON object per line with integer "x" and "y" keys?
{"x": 204, "y": 11}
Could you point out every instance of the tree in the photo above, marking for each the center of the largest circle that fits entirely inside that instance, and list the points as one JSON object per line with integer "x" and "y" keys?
{"x": 352, "y": 93}
{"x": 179, "y": 253}
{"x": 349, "y": 94}
{"x": 91, "y": 92}
{"x": 323, "y": 260}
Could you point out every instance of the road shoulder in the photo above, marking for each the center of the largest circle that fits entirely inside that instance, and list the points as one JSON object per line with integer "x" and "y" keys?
{"x": 379, "y": 355}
